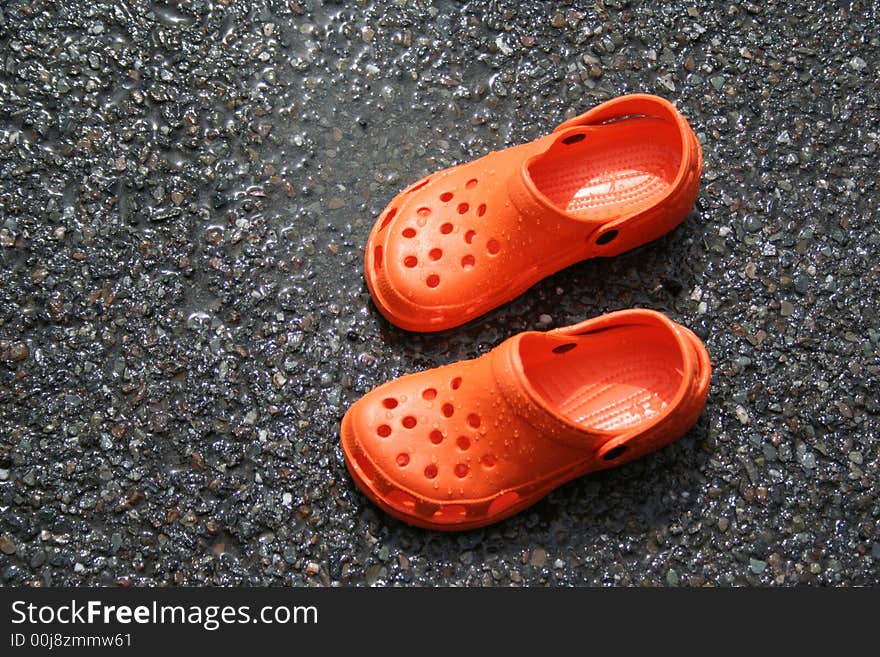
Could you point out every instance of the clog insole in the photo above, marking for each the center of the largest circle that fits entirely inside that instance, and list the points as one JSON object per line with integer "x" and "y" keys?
{"x": 615, "y": 169}
{"x": 606, "y": 381}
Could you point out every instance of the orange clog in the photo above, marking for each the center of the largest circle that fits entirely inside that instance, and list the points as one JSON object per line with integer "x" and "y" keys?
{"x": 465, "y": 240}
{"x": 465, "y": 445}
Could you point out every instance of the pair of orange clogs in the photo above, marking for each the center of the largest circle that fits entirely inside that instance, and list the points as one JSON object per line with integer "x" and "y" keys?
{"x": 471, "y": 443}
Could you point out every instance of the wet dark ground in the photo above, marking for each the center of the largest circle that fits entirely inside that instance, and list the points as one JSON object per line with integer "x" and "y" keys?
{"x": 185, "y": 194}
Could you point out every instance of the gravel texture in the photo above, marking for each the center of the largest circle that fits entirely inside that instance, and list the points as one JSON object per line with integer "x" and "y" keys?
{"x": 185, "y": 194}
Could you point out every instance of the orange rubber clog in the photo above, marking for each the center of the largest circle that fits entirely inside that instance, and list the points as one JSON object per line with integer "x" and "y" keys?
{"x": 468, "y": 444}
{"x": 465, "y": 240}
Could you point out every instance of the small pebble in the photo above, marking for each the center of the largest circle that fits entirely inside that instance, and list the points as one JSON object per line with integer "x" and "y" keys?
{"x": 858, "y": 64}
{"x": 7, "y": 545}
{"x": 538, "y": 557}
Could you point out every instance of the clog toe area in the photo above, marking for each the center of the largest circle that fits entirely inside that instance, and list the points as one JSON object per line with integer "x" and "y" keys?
{"x": 435, "y": 243}
{"x": 439, "y": 449}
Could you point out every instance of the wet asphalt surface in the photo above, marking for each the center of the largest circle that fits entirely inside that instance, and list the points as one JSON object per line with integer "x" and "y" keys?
{"x": 185, "y": 194}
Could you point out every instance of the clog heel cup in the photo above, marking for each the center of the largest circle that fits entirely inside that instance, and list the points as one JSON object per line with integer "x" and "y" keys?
{"x": 465, "y": 240}
{"x": 468, "y": 444}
